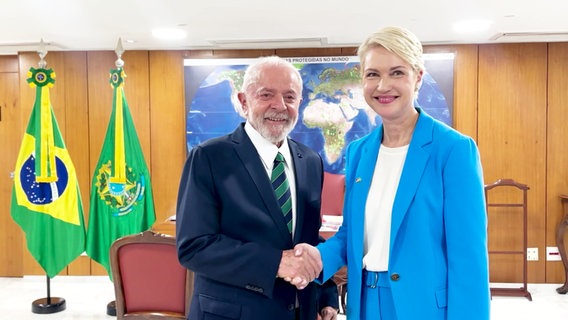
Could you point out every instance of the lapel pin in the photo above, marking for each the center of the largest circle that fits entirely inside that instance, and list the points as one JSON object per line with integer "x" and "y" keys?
{"x": 357, "y": 180}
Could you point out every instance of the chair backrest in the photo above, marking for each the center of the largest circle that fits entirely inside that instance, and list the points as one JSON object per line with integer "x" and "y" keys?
{"x": 332, "y": 194}
{"x": 149, "y": 282}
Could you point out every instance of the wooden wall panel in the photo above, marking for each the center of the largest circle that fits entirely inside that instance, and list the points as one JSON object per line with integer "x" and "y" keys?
{"x": 9, "y": 64}
{"x": 72, "y": 80}
{"x": 512, "y": 132}
{"x": 557, "y": 170}
{"x": 11, "y": 238}
{"x": 168, "y": 129}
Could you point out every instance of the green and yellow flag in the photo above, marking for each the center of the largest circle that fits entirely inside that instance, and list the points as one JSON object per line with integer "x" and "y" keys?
{"x": 46, "y": 202}
{"x": 121, "y": 193}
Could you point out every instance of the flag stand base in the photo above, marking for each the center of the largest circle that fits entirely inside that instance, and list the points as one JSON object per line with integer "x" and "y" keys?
{"x": 48, "y": 305}
{"x": 111, "y": 308}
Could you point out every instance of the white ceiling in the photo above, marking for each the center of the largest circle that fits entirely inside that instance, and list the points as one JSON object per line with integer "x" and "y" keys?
{"x": 246, "y": 24}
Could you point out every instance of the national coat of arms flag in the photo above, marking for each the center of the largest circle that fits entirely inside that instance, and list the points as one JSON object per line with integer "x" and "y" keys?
{"x": 46, "y": 202}
{"x": 121, "y": 193}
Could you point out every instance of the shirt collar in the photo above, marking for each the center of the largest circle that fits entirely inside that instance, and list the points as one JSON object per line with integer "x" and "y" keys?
{"x": 266, "y": 149}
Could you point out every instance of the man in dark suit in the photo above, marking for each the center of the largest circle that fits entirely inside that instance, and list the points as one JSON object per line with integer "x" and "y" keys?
{"x": 234, "y": 230}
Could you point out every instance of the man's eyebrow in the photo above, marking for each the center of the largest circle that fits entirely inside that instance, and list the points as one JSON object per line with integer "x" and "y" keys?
{"x": 263, "y": 89}
{"x": 291, "y": 91}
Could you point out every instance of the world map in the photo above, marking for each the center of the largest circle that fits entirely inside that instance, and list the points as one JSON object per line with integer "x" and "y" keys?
{"x": 333, "y": 111}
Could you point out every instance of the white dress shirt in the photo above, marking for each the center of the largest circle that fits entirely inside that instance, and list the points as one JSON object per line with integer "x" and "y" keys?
{"x": 267, "y": 152}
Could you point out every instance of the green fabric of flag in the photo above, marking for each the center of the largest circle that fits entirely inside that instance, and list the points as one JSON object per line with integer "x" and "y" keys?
{"x": 46, "y": 201}
{"x": 121, "y": 193}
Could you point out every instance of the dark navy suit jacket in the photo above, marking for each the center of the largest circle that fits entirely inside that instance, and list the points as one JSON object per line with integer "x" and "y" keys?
{"x": 231, "y": 232}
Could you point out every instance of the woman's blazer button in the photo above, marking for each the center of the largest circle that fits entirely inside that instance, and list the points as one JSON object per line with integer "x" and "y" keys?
{"x": 395, "y": 277}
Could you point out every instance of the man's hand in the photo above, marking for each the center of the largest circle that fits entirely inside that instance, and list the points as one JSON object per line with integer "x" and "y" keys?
{"x": 328, "y": 313}
{"x": 300, "y": 267}
{"x": 310, "y": 252}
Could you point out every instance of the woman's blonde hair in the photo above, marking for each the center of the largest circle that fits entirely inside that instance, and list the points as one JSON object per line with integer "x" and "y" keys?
{"x": 397, "y": 40}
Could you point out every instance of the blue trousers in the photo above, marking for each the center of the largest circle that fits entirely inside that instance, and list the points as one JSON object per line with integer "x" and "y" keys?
{"x": 376, "y": 300}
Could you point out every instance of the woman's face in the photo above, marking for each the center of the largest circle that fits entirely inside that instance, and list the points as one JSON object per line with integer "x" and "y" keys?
{"x": 389, "y": 84}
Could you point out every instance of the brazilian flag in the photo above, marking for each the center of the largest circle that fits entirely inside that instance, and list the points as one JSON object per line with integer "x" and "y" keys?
{"x": 121, "y": 192}
{"x": 46, "y": 202}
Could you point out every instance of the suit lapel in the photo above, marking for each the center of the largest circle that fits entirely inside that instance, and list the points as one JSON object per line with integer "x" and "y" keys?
{"x": 299, "y": 177}
{"x": 360, "y": 190}
{"x": 414, "y": 166}
{"x": 253, "y": 165}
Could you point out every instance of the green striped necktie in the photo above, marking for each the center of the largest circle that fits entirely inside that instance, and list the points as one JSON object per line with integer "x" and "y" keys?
{"x": 282, "y": 189}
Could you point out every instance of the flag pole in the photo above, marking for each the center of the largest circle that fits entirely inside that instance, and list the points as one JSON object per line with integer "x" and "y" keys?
{"x": 119, "y": 63}
{"x": 49, "y": 304}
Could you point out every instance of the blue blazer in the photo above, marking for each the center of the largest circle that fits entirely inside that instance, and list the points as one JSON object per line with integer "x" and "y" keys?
{"x": 438, "y": 241}
{"x": 231, "y": 232}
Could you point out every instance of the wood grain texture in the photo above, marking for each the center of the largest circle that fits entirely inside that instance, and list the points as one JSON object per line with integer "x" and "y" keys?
{"x": 512, "y": 132}
{"x": 11, "y": 237}
{"x": 168, "y": 129}
{"x": 557, "y": 149}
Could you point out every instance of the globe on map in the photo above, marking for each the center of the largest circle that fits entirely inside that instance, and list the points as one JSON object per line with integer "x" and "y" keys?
{"x": 333, "y": 112}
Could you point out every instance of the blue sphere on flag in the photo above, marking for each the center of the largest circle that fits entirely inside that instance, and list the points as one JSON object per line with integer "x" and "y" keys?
{"x": 43, "y": 192}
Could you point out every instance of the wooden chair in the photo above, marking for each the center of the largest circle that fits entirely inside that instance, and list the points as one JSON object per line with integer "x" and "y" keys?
{"x": 149, "y": 282}
{"x": 332, "y": 196}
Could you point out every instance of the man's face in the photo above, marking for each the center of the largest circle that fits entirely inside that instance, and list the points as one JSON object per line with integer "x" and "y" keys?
{"x": 271, "y": 105}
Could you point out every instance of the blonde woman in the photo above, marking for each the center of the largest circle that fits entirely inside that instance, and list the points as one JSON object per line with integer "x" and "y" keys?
{"x": 414, "y": 235}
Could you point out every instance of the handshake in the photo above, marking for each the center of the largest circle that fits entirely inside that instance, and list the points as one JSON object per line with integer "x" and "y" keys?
{"x": 300, "y": 265}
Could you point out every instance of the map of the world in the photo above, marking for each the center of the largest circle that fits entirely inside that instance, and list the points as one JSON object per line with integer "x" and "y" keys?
{"x": 332, "y": 114}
